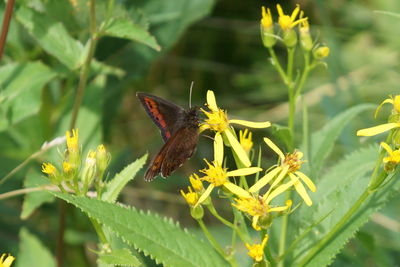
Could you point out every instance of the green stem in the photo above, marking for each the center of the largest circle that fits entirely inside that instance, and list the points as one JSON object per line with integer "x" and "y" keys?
{"x": 215, "y": 244}
{"x": 86, "y": 67}
{"x": 289, "y": 70}
{"x": 277, "y": 65}
{"x": 304, "y": 75}
{"x": 284, "y": 228}
{"x": 214, "y": 212}
{"x": 267, "y": 249}
{"x": 99, "y": 231}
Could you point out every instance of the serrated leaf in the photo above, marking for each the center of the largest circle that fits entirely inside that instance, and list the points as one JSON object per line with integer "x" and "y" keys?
{"x": 119, "y": 257}
{"x": 33, "y": 200}
{"x": 52, "y": 37}
{"x": 32, "y": 252}
{"x": 324, "y": 139}
{"x": 337, "y": 192}
{"x": 127, "y": 29}
{"x": 21, "y": 86}
{"x": 114, "y": 187}
{"x": 160, "y": 238}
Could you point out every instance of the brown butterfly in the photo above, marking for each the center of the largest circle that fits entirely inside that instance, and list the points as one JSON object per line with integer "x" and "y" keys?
{"x": 179, "y": 130}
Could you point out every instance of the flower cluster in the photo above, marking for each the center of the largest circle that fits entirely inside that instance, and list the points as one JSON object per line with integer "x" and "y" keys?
{"x": 287, "y": 34}
{"x": 75, "y": 176}
{"x": 233, "y": 183}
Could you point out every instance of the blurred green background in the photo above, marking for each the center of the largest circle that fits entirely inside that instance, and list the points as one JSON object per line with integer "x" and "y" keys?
{"x": 217, "y": 45}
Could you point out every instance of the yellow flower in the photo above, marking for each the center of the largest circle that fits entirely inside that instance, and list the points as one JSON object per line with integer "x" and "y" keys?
{"x": 6, "y": 261}
{"x": 289, "y": 165}
{"x": 394, "y": 156}
{"x": 256, "y": 251}
{"x": 190, "y": 197}
{"x": 245, "y": 139}
{"x": 196, "y": 183}
{"x": 395, "y": 101}
{"x": 266, "y": 20}
{"x": 259, "y": 207}
{"x": 72, "y": 140}
{"x": 217, "y": 120}
{"x": 217, "y": 176}
{"x": 287, "y": 22}
{"x": 49, "y": 169}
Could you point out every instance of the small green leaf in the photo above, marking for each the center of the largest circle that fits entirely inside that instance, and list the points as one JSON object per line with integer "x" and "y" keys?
{"x": 119, "y": 257}
{"x": 127, "y": 29}
{"x": 160, "y": 238}
{"x": 34, "y": 200}
{"x": 32, "y": 252}
{"x": 322, "y": 141}
{"x": 21, "y": 86}
{"x": 52, "y": 37}
{"x": 114, "y": 187}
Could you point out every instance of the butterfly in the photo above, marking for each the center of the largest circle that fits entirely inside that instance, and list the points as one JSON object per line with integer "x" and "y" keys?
{"x": 179, "y": 130}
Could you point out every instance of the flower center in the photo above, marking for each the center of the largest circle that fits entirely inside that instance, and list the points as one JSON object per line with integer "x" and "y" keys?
{"x": 217, "y": 120}
{"x": 252, "y": 206}
{"x": 293, "y": 160}
{"x": 285, "y": 22}
{"x": 215, "y": 174}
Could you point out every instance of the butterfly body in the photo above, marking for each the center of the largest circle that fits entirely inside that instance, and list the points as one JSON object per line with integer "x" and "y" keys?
{"x": 179, "y": 130}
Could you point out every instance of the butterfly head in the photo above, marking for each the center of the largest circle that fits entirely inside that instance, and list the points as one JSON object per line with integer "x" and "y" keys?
{"x": 193, "y": 116}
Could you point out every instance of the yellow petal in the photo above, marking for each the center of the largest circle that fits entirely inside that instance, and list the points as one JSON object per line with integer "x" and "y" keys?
{"x": 212, "y": 103}
{"x": 203, "y": 127}
{"x": 237, "y": 190}
{"x": 274, "y": 148}
{"x": 377, "y": 129}
{"x": 254, "y": 223}
{"x": 244, "y": 171}
{"x": 387, "y": 148}
{"x": 282, "y": 208}
{"x": 218, "y": 148}
{"x": 205, "y": 195}
{"x": 381, "y": 104}
{"x": 251, "y": 124}
{"x": 242, "y": 155}
{"x": 281, "y": 176}
{"x": 264, "y": 180}
{"x": 307, "y": 181}
{"x": 280, "y": 11}
{"x": 301, "y": 190}
{"x": 279, "y": 190}
{"x": 295, "y": 12}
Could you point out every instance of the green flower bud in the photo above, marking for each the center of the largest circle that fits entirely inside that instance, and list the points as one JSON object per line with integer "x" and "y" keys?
{"x": 321, "y": 52}
{"x": 102, "y": 158}
{"x": 290, "y": 38}
{"x": 197, "y": 212}
{"x": 89, "y": 170}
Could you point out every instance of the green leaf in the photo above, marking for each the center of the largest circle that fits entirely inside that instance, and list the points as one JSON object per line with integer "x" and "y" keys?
{"x": 127, "y": 29}
{"x": 324, "y": 139}
{"x": 21, "y": 86}
{"x": 162, "y": 239}
{"x": 52, "y": 37}
{"x": 34, "y": 200}
{"x": 114, "y": 187}
{"x": 32, "y": 252}
{"x": 337, "y": 192}
{"x": 119, "y": 257}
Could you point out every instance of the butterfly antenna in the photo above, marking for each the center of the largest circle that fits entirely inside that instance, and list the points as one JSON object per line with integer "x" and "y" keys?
{"x": 190, "y": 94}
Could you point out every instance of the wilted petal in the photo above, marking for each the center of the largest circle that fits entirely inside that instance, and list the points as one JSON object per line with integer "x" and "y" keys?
{"x": 264, "y": 180}
{"x": 205, "y": 194}
{"x": 251, "y": 124}
{"x": 212, "y": 103}
{"x": 242, "y": 155}
{"x": 274, "y": 148}
{"x": 378, "y": 129}
{"x": 237, "y": 190}
{"x": 244, "y": 171}
{"x": 218, "y": 148}
{"x": 307, "y": 181}
{"x": 301, "y": 190}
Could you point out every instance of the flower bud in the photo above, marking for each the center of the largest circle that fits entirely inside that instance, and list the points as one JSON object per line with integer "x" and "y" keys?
{"x": 321, "y": 52}
{"x": 197, "y": 212}
{"x": 267, "y": 29}
{"x": 290, "y": 38}
{"x": 305, "y": 36}
{"x": 89, "y": 169}
{"x": 73, "y": 153}
{"x": 52, "y": 173}
{"x": 196, "y": 183}
{"x": 102, "y": 158}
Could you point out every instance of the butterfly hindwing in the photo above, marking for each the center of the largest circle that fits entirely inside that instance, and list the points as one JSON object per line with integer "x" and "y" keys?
{"x": 166, "y": 115}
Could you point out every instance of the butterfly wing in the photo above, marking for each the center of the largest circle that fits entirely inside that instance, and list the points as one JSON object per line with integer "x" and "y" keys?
{"x": 174, "y": 153}
{"x": 166, "y": 115}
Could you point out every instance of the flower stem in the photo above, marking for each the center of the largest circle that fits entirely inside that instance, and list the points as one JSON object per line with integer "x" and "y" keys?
{"x": 86, "y": 67}
{"x": 99, "y": 231}
{"x": 6, "y": 25}
{"x": 215, "y": 244}
{"x": 284, "y": 228}
{"x": 277, "y": 65}
{"x": 289, "y": 71}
